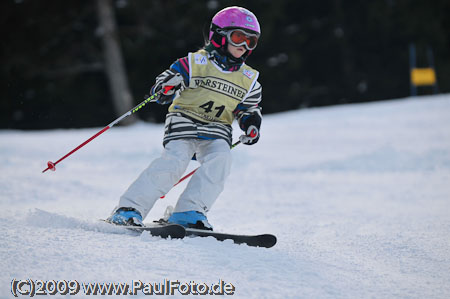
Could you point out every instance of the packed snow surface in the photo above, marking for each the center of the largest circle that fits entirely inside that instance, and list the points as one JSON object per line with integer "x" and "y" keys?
{"x": 358, "y": 196}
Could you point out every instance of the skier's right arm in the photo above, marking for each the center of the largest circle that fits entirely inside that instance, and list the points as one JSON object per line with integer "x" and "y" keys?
{"x": 172, "y": 81}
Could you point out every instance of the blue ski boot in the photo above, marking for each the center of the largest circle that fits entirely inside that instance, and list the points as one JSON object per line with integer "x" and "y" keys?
{"x": 190, "y": 219}
{"x": 126, "y": 216}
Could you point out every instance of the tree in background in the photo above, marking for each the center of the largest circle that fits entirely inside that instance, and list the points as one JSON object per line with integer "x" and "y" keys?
{"x": 114, "y": 65}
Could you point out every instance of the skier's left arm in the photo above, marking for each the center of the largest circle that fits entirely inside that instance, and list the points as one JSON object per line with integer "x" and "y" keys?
{"x": 249, "y": 117}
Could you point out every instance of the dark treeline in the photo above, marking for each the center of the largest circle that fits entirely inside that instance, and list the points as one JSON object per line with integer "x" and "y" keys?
{"x": 311, "y": 53}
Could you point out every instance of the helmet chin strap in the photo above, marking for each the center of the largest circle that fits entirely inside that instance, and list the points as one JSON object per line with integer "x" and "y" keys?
{"x": 223, "y": 58}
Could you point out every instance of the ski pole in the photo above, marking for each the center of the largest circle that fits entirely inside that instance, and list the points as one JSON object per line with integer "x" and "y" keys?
{"x": 193, "y": 171}
{"x": 51, "y": 165}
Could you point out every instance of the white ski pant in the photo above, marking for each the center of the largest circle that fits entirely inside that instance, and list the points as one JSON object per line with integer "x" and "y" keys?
{"x": 202, "y": 190}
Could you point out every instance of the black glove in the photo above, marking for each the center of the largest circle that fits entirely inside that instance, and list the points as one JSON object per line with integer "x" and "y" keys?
{"x": 172, "y": 83}
{"x": 251, "y": 136}
{"x": 250, "y": 125}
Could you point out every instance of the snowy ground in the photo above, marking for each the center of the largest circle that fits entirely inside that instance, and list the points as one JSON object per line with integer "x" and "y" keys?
{"x": 358, "y": 196}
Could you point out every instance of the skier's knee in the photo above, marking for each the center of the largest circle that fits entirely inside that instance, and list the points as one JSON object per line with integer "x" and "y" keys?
{"x": 218, "y": 167}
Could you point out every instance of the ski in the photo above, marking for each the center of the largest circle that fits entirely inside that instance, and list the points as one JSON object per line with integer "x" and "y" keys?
{"x": 165, "y": 231}
{"x": 176, "y": 231}
{"x": 264, "y": 240}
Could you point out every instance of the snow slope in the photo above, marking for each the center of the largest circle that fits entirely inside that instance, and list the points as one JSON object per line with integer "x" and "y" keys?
{"x": 358, "y": 196}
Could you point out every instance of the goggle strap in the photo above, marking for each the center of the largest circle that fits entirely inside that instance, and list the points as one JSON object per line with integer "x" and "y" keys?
{"x": 215, "y": 44}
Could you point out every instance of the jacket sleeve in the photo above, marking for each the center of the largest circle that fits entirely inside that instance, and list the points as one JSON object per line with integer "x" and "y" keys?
{"x": 248, "y": 112}
{"x": 180, "y": 66}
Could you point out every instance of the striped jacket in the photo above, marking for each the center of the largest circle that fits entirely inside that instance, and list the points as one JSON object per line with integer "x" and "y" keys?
{"x": 182, "y": 123}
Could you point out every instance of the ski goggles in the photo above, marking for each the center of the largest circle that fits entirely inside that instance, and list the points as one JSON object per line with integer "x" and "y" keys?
{"x": 238, "y": 37}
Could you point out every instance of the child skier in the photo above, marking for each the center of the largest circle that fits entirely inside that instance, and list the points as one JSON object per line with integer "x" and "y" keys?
{"x": 207, "y": 90}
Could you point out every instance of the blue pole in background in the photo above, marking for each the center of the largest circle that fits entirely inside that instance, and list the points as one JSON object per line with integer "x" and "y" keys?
{"x": 412, "y": 65}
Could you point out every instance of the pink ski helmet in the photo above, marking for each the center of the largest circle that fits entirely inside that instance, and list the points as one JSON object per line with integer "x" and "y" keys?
{"x": 234, "y": 17}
